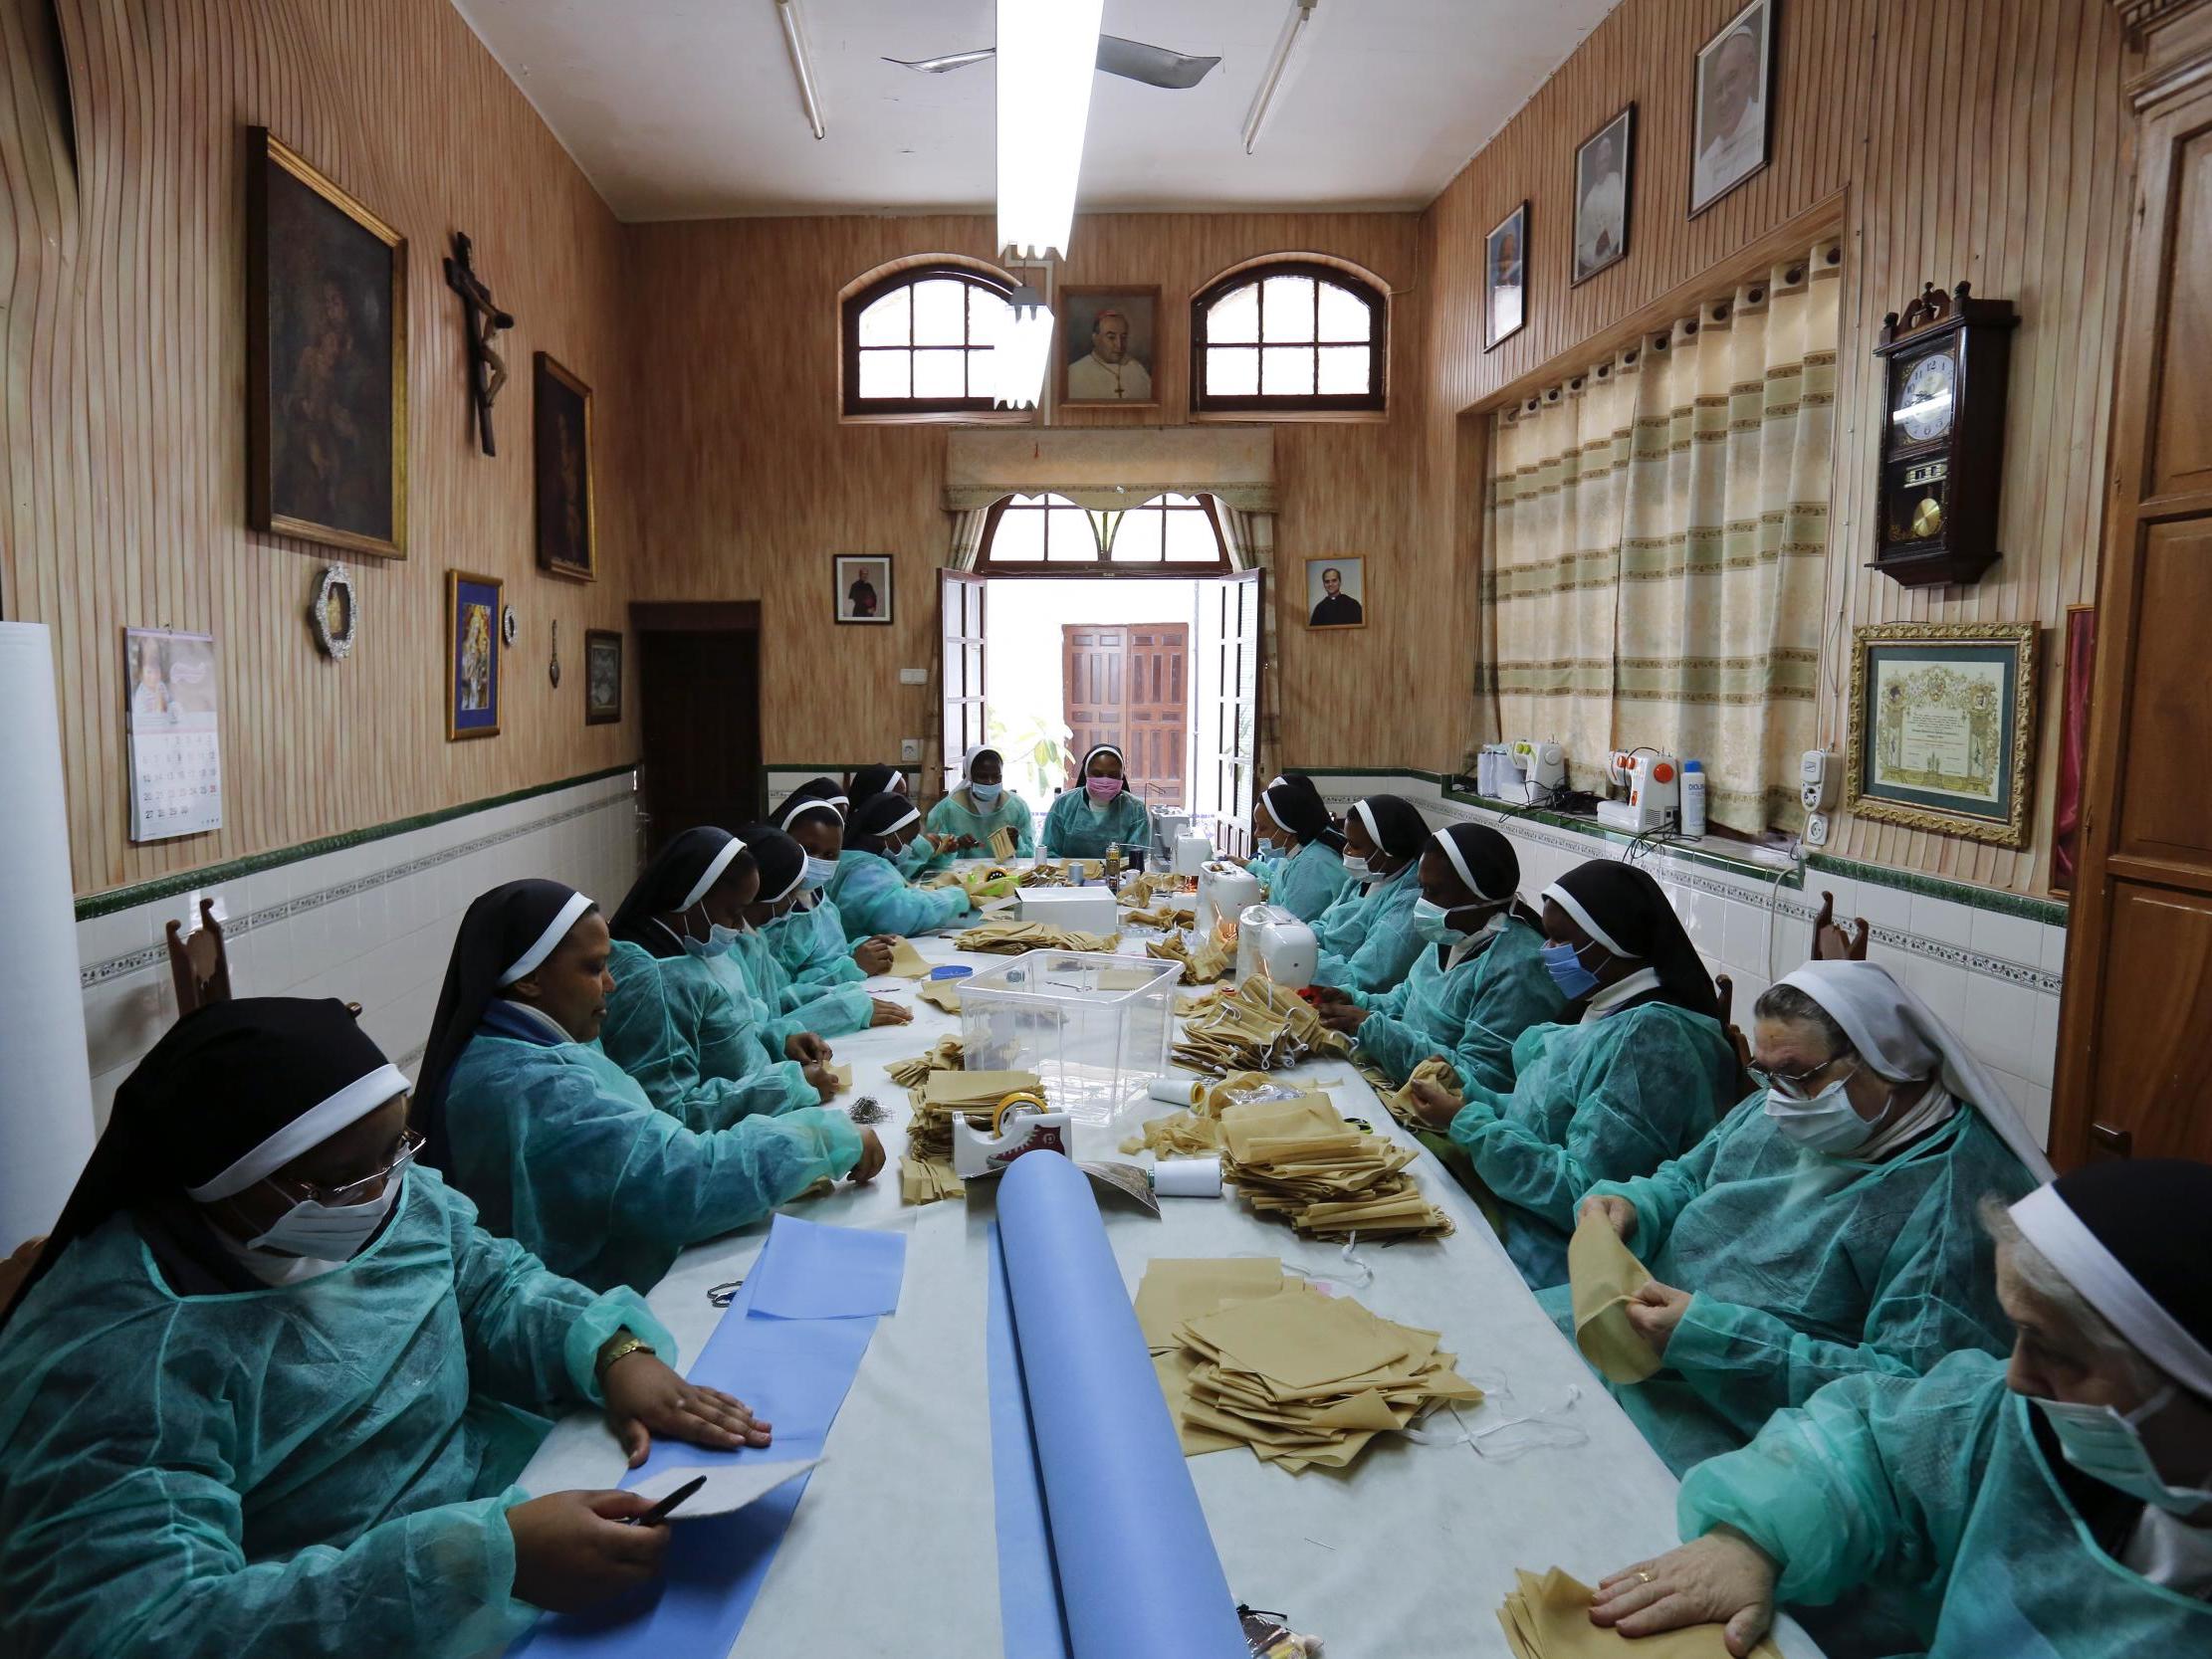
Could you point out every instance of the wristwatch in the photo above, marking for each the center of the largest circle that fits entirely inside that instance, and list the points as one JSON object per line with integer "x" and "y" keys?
{"x": 620, "y": 1346}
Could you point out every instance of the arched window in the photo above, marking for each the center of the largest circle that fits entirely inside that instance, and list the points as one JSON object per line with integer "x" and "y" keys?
{"x": 918, "y": 342}
{"x": 1168, "y": 533}
{"x": 1288, "y": 338}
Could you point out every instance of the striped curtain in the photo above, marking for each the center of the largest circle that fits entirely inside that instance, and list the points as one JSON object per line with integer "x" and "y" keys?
{"x": 1655, "y": 546}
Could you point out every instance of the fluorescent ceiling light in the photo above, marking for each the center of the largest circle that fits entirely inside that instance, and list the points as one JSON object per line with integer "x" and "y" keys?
{"x": 1019, "y": 349}
{"x": 786, "y": 12}
{"x": 1047, "y": 60}
{"x": 1301, "y": 13}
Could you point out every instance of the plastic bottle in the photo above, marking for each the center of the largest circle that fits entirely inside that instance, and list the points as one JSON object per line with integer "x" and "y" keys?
{"x": 1693, "y": 798}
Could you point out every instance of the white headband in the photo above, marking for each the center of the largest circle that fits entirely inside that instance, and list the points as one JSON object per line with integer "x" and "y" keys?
{"x": 1459, "y": 863}
{"x": 556, "y": 931}
{"x": 799, "y": 809}
{"x": 1099, "y": 750}
{"x": 713, "y": 873}
{"x": 1359, "y": 811}
{"x": 913, "y": 815}
{"x": 2048, "y": 1222}
{"x": 1567, "y": 902}
{"x": 310, "y": 1128}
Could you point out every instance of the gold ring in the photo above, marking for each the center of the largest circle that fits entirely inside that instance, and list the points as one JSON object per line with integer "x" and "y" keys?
{"x": 1644, "y": 1575}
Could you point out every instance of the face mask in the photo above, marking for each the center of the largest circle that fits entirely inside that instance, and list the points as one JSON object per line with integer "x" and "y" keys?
{"x": 325, "y": 1234}
{"x": 2109, "y": 1447}
{"x": 1573, "y": 979}
{"x": 1357, "y": 868}
{"x": 985, "y": 794}
{"x": 1823, "y": 1122}
{"x": 1103, "y": 788}
{"x": 1433, "y": 924}
{"x": 718, "y": 942}
{"x": 818, "y": 871}
{"x": 912, "y": 856}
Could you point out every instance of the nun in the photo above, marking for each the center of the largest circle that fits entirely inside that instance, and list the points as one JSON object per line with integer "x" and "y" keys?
{"x": 1100, "y": 813}
{"x": 561, "y": 1149}
{"x": 2055, "y": 1506}
{"x": 1480, "y": 980}
{"x": 683, "y": 1019}
{"x": 832, "y": 1010}
{"x": 877, "y": 781}
{"x": 1297, "y": 852}
{"x": 870, "y": 889}
{"x": 268, "y": 1386}
{"x": 809, "y": 939}
{"x": 1634, "y": 1075}
{"x": 979, "y": 808}
{"x": 1366, "y": 937}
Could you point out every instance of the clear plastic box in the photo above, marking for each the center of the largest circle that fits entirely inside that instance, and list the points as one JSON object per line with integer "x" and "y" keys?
{"x": 1094, "y": 1027}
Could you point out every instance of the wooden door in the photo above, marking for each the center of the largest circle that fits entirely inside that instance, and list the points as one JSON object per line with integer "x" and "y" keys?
{"x": 699, "y": 707}
{"x": 1094, "y": 667}
{"x": 960, "y": 668}
{"x": 1156, "y": 710}
{"x": 2135, "y": 1027}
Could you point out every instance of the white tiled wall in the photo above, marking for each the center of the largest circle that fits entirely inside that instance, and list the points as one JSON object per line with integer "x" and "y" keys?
{"x": 373, "y": 925}
{"x": 1994, "y": 979}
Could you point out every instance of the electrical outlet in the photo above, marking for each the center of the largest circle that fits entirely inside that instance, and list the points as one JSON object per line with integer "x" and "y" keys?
{"x": 910, "y": 751}
{"x": 1816, "y": 829}
{"x": 914, "y": 676}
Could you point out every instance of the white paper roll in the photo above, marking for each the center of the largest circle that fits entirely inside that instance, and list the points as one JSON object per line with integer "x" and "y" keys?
{"x": 45, "y": 1086}
{"x": 1187, "y": 1177}
{"x": 1174, "y": 1091}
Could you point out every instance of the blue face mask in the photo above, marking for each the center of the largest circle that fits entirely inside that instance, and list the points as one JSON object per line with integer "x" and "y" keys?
{"x": 720, "y": 940}
{"x": 985, "y": 794}
{"x": 1574, "y": 980}
{"x": 818, "y": 871}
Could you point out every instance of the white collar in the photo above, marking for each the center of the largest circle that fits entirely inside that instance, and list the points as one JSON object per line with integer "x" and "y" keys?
{"x": 1935, "y": 1106}
{"x": 539, "y": 1017}
{"x": 1606, "y": 1002}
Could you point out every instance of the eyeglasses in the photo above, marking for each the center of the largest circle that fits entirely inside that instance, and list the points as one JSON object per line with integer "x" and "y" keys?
{"x": 1797, "y": 1085}
{"x": 362, "y": 1191}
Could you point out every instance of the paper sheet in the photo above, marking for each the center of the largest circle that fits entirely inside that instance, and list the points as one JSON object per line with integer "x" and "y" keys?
{"x": 727, "y": 1491}
{"x": 1605, "y": 1275}
{"x": 907, "y": 962}
{"x": 843, "y": 1074}
{"x": 809, "y": 1271}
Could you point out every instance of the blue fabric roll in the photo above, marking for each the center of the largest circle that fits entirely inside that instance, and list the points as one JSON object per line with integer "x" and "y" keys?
{"x": 1137, "y": 1569}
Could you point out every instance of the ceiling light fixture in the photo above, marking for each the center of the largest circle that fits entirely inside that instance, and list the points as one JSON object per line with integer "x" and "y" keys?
{"x": 1018, "y": 353}
{"x": 1301, "y": 13}
{"x": 786, "y": 13}
{"x": 1047, "y": 60}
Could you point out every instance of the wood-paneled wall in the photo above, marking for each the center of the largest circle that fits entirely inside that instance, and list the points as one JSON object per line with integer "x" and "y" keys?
{"x": 754, "y": 484}
{"x": 123, "y": 429}
{"x": 1954, "y": 140}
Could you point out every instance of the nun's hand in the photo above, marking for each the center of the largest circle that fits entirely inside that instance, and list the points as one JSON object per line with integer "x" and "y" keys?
{"x": 824, "y": 1079}
{"x": 1436, "y": 1107}
{"x": 571, "y": 1549}
{"x": 645, "y": 1397}
{"x": 806, "y": 1048}
{"x": 1655, "y": 1310}
{"x": 1619, "y": 1213}
{"x": 874, "y": 955}
{"x": 1720, "y": 1579}
{"x": 883, "y": 1011}
{"x": 966, "y": 843}
{"x": 1326, "y": 995}
{"x": 871, "y": 1159}
{"x": 1342, "y": 1016}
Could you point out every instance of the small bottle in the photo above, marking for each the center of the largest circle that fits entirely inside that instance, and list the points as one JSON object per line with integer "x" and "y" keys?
{"x": 1693, "y": 798}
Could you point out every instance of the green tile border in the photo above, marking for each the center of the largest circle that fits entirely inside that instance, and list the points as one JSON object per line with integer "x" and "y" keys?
{"x": 2050, "y": 912}
{"x": 209, "y": 874}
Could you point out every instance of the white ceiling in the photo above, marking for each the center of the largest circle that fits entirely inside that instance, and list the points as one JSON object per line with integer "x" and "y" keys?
{"x": 688, "y": 109}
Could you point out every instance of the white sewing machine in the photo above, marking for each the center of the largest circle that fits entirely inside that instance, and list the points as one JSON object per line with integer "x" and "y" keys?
{"x": 1543, "y": 767}
{"x": 1655, "y": 785}
{"x": 1272, "y": 942}
{"x": 1224, "y": 893}
{"x": 1022, "y": 1123}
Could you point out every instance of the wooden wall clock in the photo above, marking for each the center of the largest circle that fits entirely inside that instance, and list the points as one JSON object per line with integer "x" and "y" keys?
{"x": 1946, "y": 363}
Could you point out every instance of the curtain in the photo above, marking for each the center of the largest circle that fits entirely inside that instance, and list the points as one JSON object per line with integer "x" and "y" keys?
{"x": 967, "y": 544}
{"x": 1655, "y": 558}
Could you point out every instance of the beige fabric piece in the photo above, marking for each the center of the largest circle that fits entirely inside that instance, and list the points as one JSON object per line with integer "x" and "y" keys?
{"x": 1299, "y": 1159}
{"x": 1180, "y": 1288}
{"x": 942, "y": 1056}
{"x": 941, "y": 1096}
{"x": 1548, "y": 1617}
{"x": 843, "y": 1074}
{"x": 925, "y": 1180}
{"x": 1001, "y": 844}
{"x": 1204, "y": 961}
{"x": 1399, "y": 1103}
{"x": 1259, "y": 1027}
{"x": 940, "y": 993}
{"x": 1005, "y": 937}
{"x": 907, "y": 962}
{"x": 1605, "y": 1275}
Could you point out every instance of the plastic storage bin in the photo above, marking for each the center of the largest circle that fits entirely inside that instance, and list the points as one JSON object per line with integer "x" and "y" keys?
{"x": 1094, "y": 1027}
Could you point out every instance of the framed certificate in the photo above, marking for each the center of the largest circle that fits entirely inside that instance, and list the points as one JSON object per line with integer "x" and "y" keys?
{"x": 1942, "y": 727}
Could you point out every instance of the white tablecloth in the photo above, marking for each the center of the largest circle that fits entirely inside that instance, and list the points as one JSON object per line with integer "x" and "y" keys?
{"x": 1406, "y": 1556}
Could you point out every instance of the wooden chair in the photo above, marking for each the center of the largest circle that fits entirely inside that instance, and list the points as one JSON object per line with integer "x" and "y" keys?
{"x": 1834, "y": 942}
{"x": 1726, "y": 988}
{"x": 198, "y": 963}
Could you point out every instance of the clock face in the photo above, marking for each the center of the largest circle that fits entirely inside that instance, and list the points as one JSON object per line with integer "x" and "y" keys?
{"x": 1925, "y": 401}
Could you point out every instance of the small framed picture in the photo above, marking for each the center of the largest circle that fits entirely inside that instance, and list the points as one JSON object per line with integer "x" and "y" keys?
{"x": 472, "y": 658}
{"x": 603, "y": 677}
{"x": 1942, "y": 727}
{"x": 863, "y": 587}
{"x": 1506, "y": 277}
{"x": 1732, "y": 106}
{"x": 561, "y": 464}
{"x": 1336, "y": 593}
{"x": 1604, "y": 187}
{"x": 1109, "y": 346}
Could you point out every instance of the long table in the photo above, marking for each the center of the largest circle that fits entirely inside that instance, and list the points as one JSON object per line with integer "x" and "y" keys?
{"x": 1406, "y": 1556}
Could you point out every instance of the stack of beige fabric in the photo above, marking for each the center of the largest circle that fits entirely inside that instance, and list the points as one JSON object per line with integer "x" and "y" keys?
{"x": 986, "y": 882}
{"x": 926, "y": 1172}
{"x": 1005, "y": 937}
{"x": 1001, "y": 844}
{"x": 1045, "y": 873}
{"x": 1261, "y": 1026}
{"x": 912, "y": 1073}
{"x": 1299, "y": 1159}
{"x": 1548, "y": 1617}
{"x": 1250, "y": 1356}
{"x": 1204, "y": 958}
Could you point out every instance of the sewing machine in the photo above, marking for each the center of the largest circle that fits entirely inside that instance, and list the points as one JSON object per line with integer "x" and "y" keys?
{"x": 1272, "y": 942}
{"x": 1224, "y": 893}
{"x": 1655, "y": 785}
{"x": 1543, "y": 767}
{"x": 1022, "y": 1123}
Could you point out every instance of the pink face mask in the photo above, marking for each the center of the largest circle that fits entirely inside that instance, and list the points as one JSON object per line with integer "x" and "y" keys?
{"x": 1103, "y": 788}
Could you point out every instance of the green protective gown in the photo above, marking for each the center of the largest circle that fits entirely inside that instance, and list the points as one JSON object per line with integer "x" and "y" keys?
{"x": 825, "y": 1010}
{"x": 958, "y": 814}
{"x": 700, "y": 1049}
{"x": 1366, "y": 937}
{"x": 1469, "y": 1013}
{"x": 320, "y": 1468}
{"x": 809, "y": 945}
{"x": 1807, "y": 1268}
{"x": 873, "y": 897}
{"x": 1305, "y": 883}
{"x": 1603, "y": 1100}
{"x": 563, "y": 1150}
{"x": 1937, "y": 1489}
{"x": 1074, "y": 829}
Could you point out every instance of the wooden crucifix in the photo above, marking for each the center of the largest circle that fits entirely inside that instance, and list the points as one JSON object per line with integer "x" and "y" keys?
{"x": 483, "y": 320}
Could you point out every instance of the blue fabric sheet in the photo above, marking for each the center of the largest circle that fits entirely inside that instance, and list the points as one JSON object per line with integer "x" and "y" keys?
{"x": 793, "y": 1371}
{"x": 809, "y": 1271}
{"x": 1029, "y": 1587}
{"x": 1135, "y": 1565}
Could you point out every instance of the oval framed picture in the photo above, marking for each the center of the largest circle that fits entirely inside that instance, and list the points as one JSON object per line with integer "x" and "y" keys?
{"x": 335, "y": 612}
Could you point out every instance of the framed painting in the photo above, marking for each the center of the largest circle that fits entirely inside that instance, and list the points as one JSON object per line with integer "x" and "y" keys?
{"x": 1942, "y": 727}
{"x": 1732, "y": 106}
{"x": 326, "y": 359}
{"x": 561, "y": 463}
{"x": 1506, "y": 277}
{"x": 1109, "y": 346}
{"x": 1336, "y": 593}
{"x": 1605, "y": 187}
{"x": 861, "y": 588}
{"x": 603, "y": 677}
{"x": 472, "y": 657}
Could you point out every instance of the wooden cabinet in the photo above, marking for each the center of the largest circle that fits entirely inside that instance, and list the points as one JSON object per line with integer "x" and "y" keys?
{"x": 2134, "y": 1074}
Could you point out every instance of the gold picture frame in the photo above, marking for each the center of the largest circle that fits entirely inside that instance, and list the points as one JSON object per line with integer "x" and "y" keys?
{"x": 1942, "y": 727}
{"x": 474, "y": 673}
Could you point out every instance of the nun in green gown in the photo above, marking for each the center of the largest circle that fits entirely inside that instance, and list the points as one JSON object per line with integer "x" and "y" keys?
{"x": 1099, "y": 812}
{"x": 872, "y": 894}
{"x": 1366, "y": 937}
{"x": 1298, "y": 854}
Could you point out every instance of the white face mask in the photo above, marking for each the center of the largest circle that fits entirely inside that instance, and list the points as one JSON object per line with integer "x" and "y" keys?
{"x": 2108, "y": 1447}
{"x": 1825, "y": 1123}
{"x": 818, "y": 871}
{"x": 1358, "y": 869}
{"x": 328, "y": 1234}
